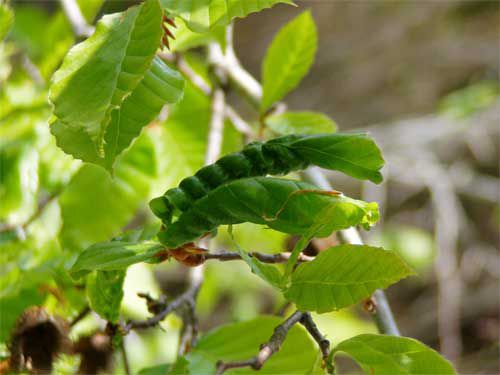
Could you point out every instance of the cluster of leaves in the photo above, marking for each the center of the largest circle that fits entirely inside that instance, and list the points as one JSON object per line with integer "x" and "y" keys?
{"x": 59, "y": 214}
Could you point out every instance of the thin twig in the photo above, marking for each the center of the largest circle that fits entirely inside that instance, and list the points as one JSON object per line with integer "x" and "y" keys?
{"x": 126, "y": 364}
{"x": 267, "y": 349}
{"x": 82, "y": 314}
{"x": 216, "y": 127}
{"x": 168, "y": 308}
{"x": 447, "y": 228}
{"x": 80, "y": 27}
{"x": 32, "y": 70}
{"x": 239, "y": 124}
{"x": 240, "y": 78}
{"x": 224, "y": 256}
{"x": 324, "y": 345}
{"x": 449, "y": 216}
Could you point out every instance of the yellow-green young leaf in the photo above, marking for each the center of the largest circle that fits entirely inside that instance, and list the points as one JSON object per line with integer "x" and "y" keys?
{"x": 160, "y": 85}
{"x": 240, "y": 341}
{"x": 300, "y": 123}
{"x": 114, "y": 255}
{"x": 105, "y": 293}
{"x": 97, "y": 74}
{"x": 288, "y": 206}
{"x": 267, "y": 272}
{"x": 182, "y": 144}
{"x": 288, "y": 59}
{"x": 201, "y": 15}
{"x": 344, "y": 275}
{"x": 382, "y": 355}
{"x": 6, "y": 20}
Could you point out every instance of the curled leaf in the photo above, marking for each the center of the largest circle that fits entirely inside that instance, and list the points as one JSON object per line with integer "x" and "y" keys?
{"x": 285, "y": 205}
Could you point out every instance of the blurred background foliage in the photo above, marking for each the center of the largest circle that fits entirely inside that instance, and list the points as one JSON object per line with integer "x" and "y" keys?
{"x": 421, "y": 76}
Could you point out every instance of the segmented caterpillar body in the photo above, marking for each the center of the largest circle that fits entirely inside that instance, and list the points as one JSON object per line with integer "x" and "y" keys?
{"x": 285, "y": 205}
{"x": 278, "y": 156}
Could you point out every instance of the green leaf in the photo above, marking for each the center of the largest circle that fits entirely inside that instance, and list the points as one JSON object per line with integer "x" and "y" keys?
{"x": 114, "y": 255}
{"x": 156, "y": 370}
{"x": 266, "y": 272}
{"x": 285, "y": 205}
{"x": 105, "y": 293}
{"x": 300, "y": 123}
{"x": 95, "y": 207}
{"x": 201, "y": 15}
{"x": 381, "y": 355}
{"x": 180, "y": 367}
{"x": 342, "y": 276}
{"x": 160, "y": 85}
{"x": 288, "y": 59}
{"x": 354, "y": 154}
{"x": 6, "y": 20}
{"x": 183, "y": 145}
{"x": 100, "y": 72}
{"x": 241, "y": 341}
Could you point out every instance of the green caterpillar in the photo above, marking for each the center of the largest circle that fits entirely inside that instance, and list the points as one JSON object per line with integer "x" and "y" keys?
{"x": 288, "y": 206}
{"x": 352, "y": 153}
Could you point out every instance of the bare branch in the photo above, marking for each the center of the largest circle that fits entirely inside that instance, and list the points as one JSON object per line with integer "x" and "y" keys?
{"x": 82, "y": 314}
{"x": 240, "y": 78}
{"x": 263, "y": 257}
{"x": 448, "y": 214}
{"x": 323, "y": 343}
{"x": 32, "y": 70}
{"x": 216, "y": 127}
{"x": 164, "y": 310}
{"x": 80, "y": 27}
{"x": 126, "y": 364}
{"x": 239, "y": 124}
{"x": 267, "y": 349}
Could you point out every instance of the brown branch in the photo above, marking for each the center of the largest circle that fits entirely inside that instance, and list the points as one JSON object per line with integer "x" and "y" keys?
{"x": 163, "y": 309}
{"x": 267, "y": 349}
{"x": 190, "y": 329}
{"x": 82, "y": 314}
{"x": 225, "y": 256}
{"x": 123, "y": 350}
{"x": 323, "y": 343}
